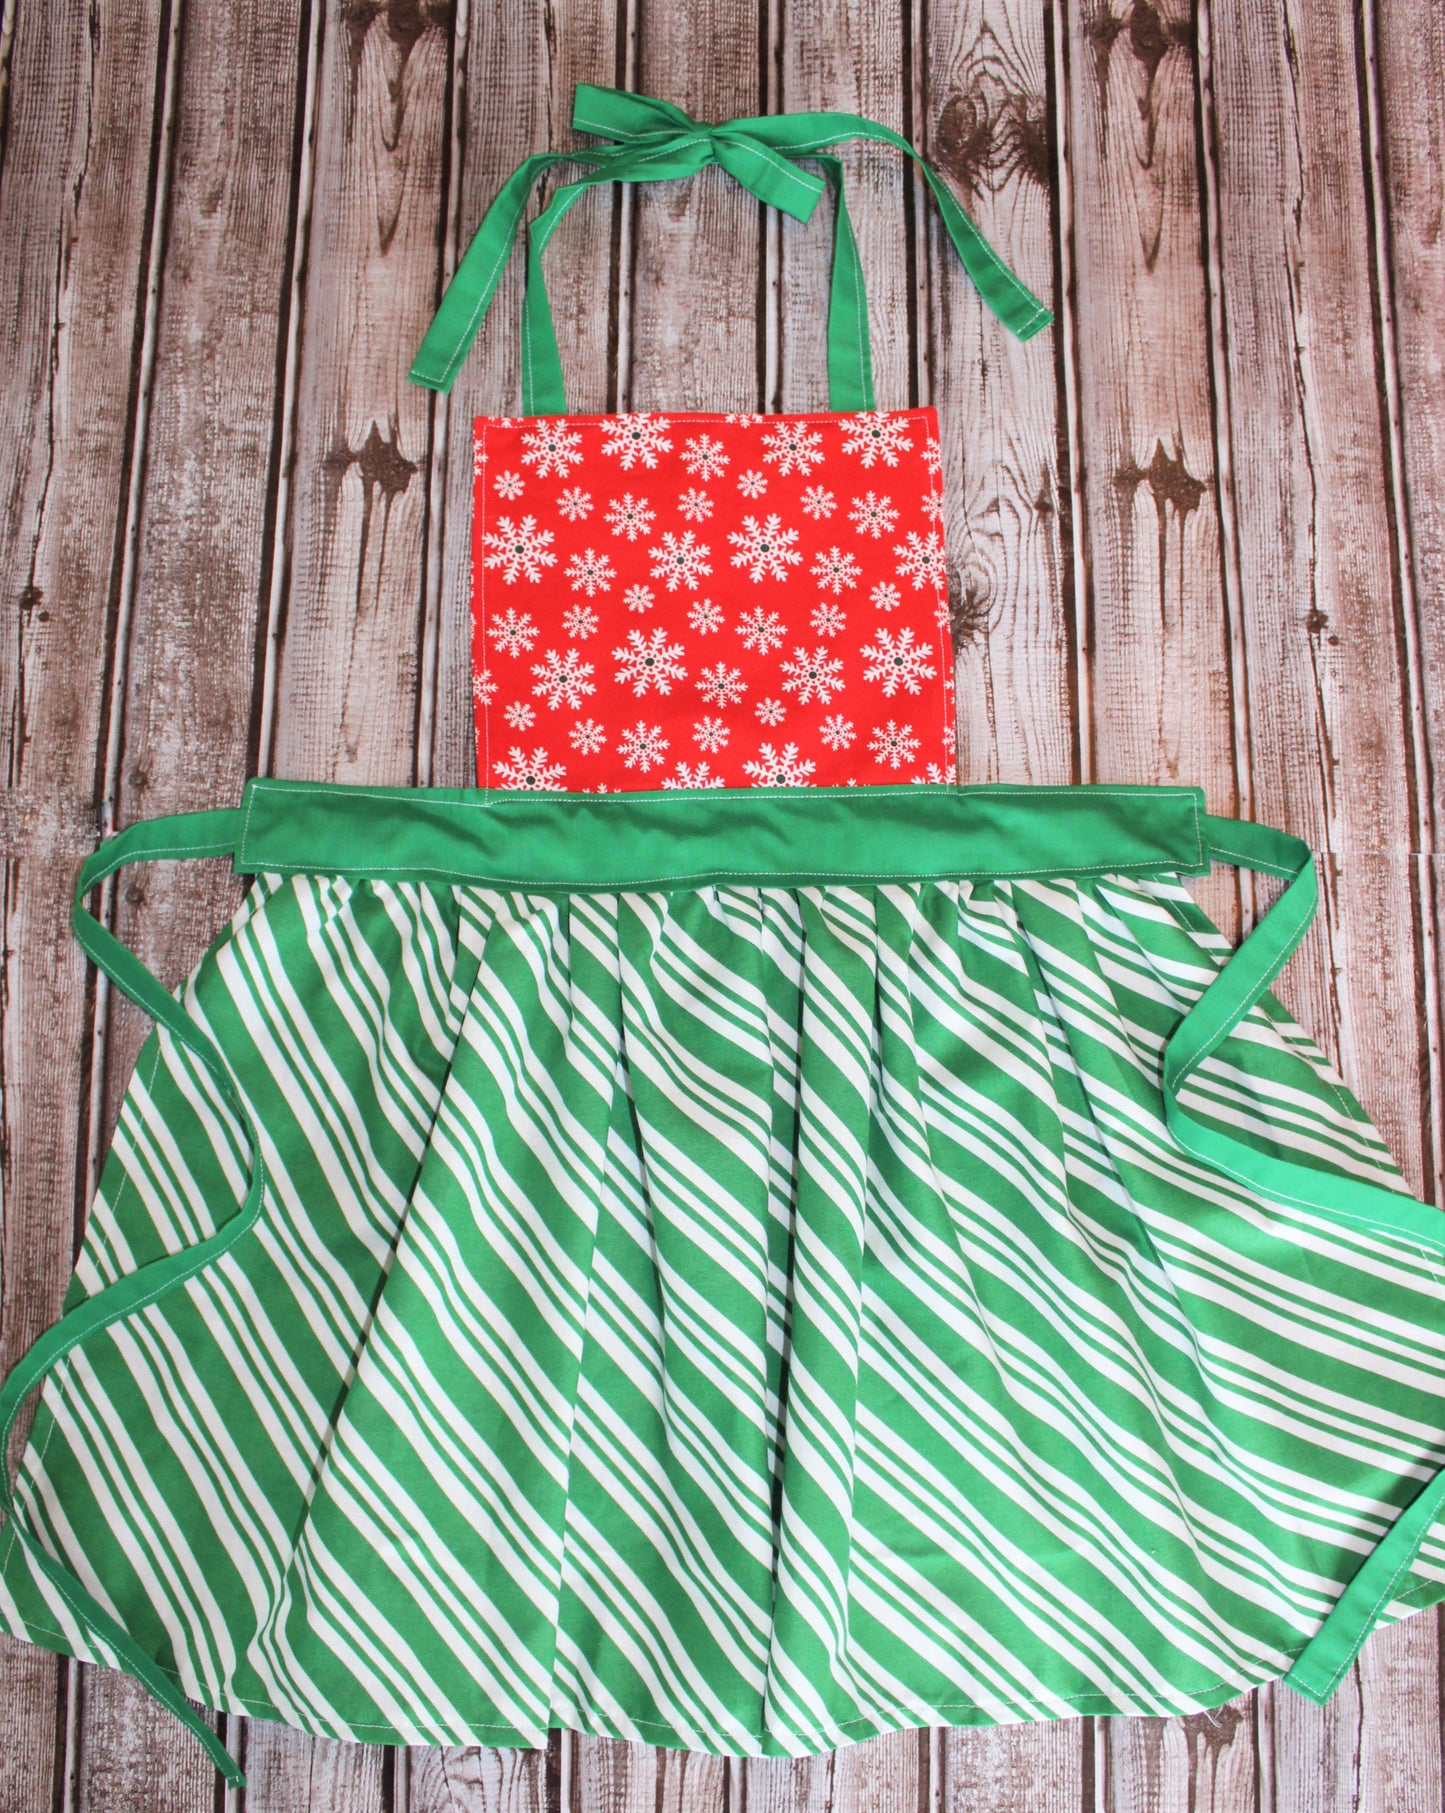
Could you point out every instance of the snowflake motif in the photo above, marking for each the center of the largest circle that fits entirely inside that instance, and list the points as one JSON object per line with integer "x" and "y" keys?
{"x": 649, "y": 661}
{"x": 642, "y": 748}
{"x": 534, "y": 772}
{"x": 484, "y": 687}
{"x": 772, "y": 711}
{"x": 828, "y": 620}
{"x": 818, "y": 502}
{"x": 591, "y": 572}
{"x": 630, "y": 516}
{"x": 875, "y": 436}
{"x": 552, "y": 447}
{"x": 580, "y": 621}
{"x": 508, "y": 484}
{"x": 762, "y": 630}
{"x": 772, "y": 769}
{"x": 705, "y": 617}
{"x": 935, "y": 773}
{"x": 933, "y": 507}
{"x": 897, "y": 661}
{"x": 932, "y": 454}
{"x": 792, "y": 445}
{"x": 575, "y": 504}
{"x": 816, "y": 676}
{"x": 765, "y": 548}
{"x": 721, "y": 685}
{"x": 695, "y": 505}
{"x": 514, "y": 632}
{"x": 680, "y": 560}
{"x": 838, "y": 731}
{"x": 886, "y": 597}
{"x": 701, "y": 776}
{"x": 710, "y": 734}
{"x": 746, "y": 421}
{"x": 479, "y": 459}
{"x": 518, "y": 548}
{"x": 637, "y": 437}
{"x": 893, "y": 743}
{"x": 562, "y": 679}
{"x": 704, "y": 457}
{"x": 587, "y": 736}
{"x": 520, "y": 716}
{"x": 835, "y": 570}
{"x": 752, "y": 483}
{"x": 920, "y": 558}
{"x": 640, "y": 597}
{"x": 872, "y": 515}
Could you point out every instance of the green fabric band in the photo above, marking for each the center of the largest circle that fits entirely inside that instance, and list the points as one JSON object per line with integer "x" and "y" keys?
{"x": 655, "y": 141}
{"x": 573, "y": 843}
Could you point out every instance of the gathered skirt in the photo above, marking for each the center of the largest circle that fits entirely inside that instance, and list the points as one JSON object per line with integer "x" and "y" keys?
{"x": 742, "y": 1271}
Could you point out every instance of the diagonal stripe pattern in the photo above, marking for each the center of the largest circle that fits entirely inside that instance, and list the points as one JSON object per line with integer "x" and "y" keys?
{"x": 741, "y": 1318}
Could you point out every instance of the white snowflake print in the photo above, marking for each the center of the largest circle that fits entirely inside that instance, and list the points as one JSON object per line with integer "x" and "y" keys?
{"x": 535, "y": 771}
{"x": 772, "y": 769}
{"x": 562, "y": 679}
{"x": 835, "y": 570}
{"x": 792, "y": 445}
{"x": 508, "y": 484}
{"x": 816, "y": 676}
{"x": 920, "y": 558}
{"x": 513, "y": 632}
{"x": 520, "y": 716}
{"x": 630, "y": 516}
{"x": 936, "y": 773}
{"x": 872, "y": 515}
{"x": 518, "y": 548}
{"x": 552, "y": 447}
{"x": 762, "y": 630}
{"x": 575, "y": 504}
{"x": 640, "y": 597}
{"x": 897, "y": 661}
{"x": 875, "y": 436}
{"x": 932, "y": 454}
{"x": 721, "y": 685}
{"x": 642, "y": 747}
{"x": 752, "y": 483}
{"x": 649, "y": 661}
{"x": 479, "y": 459}
{"x": 701, "y": 776}
{"x": 484, "y": 687}
{"x": 746, "y": 421}
{"x": 591, "y": 572}
{"x": 704, "y": 457}
{"x": 680, "y": 560}
{"x": 637, "y": 437}
{"x": 893, "y": 743}
{"x": 818, "y": 502}
{"x": 771, "y": 711}
{"x": 705, "y": 617}
{"x": 828, "y": 620}
{"x": 765, "y": 548}
{"x": 580, "y": 621}
{"x": 886, "y": 597}
{"x": 933, "y": 507}
{"x": 695, "y": 505}
{"x": 838, "y": 731}
{"x": 587, "y": 736}
{"x": 710, "y": 734}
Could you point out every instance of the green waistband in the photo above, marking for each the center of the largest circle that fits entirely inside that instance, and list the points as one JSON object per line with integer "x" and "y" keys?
{"x": 570, "y": 843}
{"x": 578, "y": 843}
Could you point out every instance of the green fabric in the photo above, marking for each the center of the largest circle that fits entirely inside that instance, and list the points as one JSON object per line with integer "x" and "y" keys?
{"x": 655, "y": 141}
{"x": 496, "y": 1400}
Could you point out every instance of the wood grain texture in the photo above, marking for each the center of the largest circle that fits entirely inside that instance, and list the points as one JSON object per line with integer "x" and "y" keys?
{"x": 75, "y": 220}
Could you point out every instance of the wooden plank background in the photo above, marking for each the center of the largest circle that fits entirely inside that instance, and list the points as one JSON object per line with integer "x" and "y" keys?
{"x": 1197, "y": 533}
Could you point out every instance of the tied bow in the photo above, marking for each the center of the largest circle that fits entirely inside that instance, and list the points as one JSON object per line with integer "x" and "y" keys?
{"x": 652, "y": 141}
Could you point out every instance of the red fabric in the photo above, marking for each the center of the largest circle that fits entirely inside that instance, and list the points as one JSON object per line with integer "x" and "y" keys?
{"x": 709, "y": 600}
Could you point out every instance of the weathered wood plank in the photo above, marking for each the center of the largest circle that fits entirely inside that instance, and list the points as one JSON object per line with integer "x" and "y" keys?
{"x": 887, "y": 1774}
{"x": 74, "y": 220}
{"x": 601, "y": 1773}
{"x": 1019, "y": 1769}
{"x": 349, "y": 644}
{"x": 990, "y": 128}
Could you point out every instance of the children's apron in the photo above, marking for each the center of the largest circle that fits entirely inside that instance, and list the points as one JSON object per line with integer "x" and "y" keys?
{"x": 739, "y": 1268}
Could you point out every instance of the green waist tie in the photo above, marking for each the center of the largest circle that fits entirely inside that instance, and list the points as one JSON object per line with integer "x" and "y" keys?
{"x": 578, "y": 843}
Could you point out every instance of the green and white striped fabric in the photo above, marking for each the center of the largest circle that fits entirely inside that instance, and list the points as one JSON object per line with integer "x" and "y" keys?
{"x": 739, "y": 1316}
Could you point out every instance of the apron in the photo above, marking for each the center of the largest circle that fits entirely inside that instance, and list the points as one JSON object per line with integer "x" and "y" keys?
{"x": 739, "y": 1269}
